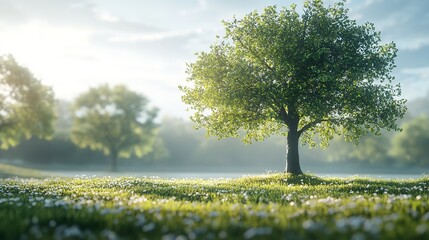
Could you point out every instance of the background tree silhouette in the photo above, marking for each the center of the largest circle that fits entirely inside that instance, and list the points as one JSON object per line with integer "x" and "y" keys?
{"x": 114, "y": 120}
{"x": 26, "y": 105}
{"x": 411, "y": 145}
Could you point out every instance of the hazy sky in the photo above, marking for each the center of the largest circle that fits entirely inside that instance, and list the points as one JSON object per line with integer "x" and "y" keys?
{"x": 75, "y": 44}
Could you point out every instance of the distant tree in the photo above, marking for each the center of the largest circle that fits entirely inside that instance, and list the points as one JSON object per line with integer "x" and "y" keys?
{"x": 411, "y": 146}
{"x": 277, "y": 72}
{"x": 180, "y": 139}
{"x": 372, "y": 149}
{"x": 114, "y": 120}
{"x": 58, "y": 149}
{"x": 26, "y": 106}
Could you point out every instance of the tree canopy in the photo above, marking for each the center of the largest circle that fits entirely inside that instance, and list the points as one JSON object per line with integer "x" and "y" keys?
{"x": 26, "y": 105}
{"x": 279, "y": 72}
{"x": 114, "y": 120}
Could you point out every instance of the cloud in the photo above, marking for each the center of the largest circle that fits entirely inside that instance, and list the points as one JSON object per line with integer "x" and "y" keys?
{"x": 413, "y": 88}
{"x": 9, "y": 13}
{"x": 414, "y": 81}
{"x": 62, "y": 12}
{"x": 405, "y": 22}
{"x": 420, "y": 73}
{"x": 106, "y": 16}
{"x": 201, "y": 7}
{"x": 71, "y": 13}
{"x": 413, "y": 58}
{"x": 162, "y": 46}
{"x": 152, "y": 37}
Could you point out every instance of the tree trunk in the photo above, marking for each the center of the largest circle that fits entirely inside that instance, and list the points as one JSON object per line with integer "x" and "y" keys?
{"x": 113, "y": 163}
{"x": 292, "y": 162}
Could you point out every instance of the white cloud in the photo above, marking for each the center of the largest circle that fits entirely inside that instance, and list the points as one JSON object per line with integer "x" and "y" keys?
{"x": 105, "y": 16}
{"x": 36, "y": 42}
{"x": 413, "y": 43}
{"x": 201, "y": 7}
{"x": 360, "y": 5}
{"x": 421, "y": 73}
{"x": 152, "y": 37}
{"x": 414, "y": 81}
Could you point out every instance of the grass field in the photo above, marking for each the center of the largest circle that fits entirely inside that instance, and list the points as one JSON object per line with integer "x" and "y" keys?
{"x": 277, "y": 206}
{"x": 7, "y": 170}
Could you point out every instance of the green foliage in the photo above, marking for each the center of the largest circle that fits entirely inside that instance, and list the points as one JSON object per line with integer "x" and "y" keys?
{"x": 114, "y": 120}
{"x": 411, "y": 146}
{"x": 57, "y": 150}
{"x": 319, "y": 73}
{"x": 26, "y": 106}
{"x": 372, "y": 149}
{"x": 278, "y": 206}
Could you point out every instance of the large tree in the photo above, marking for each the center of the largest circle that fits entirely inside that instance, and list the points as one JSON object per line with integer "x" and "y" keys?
{"x": 26, "y": 105}
{"x": 114, "y": 120}
{"x": 279, "y": 72}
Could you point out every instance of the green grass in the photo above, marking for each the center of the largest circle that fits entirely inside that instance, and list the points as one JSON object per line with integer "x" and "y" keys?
{"x": 277, "y": 206}
{"x": 7, "y": 170}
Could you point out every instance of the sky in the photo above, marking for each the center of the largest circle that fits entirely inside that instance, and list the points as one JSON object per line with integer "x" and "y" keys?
{"x": 72, "y": 45}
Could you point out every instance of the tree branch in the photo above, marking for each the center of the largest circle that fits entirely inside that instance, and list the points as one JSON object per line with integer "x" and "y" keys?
{"x": 308, "y": 126}
{"x": 313, "y": 124}
{"x": 256, "y": 55}
{"x": 276, "y": 103}
{"x": 12, "y": 91}
{"x": 283, "y": 115}
{"x": 304, "y": 29}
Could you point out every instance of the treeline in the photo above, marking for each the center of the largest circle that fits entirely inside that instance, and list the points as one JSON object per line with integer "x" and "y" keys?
{"x": 178, "y": 144}
{"x": 409, "y": 147}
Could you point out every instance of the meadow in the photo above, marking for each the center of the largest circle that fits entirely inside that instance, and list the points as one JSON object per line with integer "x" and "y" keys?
{"x": 272, "y": 206}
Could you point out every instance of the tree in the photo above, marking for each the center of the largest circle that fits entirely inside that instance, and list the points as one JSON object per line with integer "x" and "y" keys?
{"x": 115, "y": 121}
{"x": 371, "y": 149}
{"x": 59, "y": 148}
{"x": 277, "y": 72}
{"x": 26, "y": 106}
{"x": 411, "y": 145}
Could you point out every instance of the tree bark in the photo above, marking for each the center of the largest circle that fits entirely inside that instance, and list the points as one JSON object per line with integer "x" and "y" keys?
{"x": 292, "y": 154}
